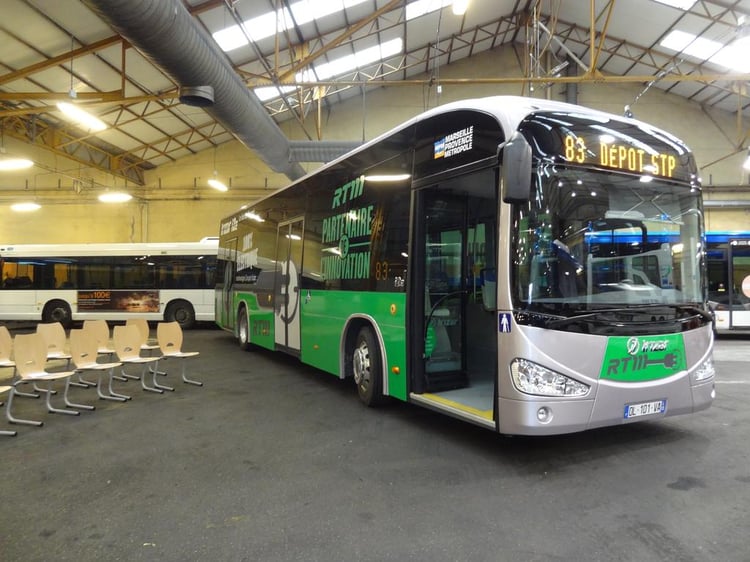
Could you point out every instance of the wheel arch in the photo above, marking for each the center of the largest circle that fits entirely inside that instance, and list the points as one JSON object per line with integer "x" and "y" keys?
{"x": 61, "y": 304}
{"x": 241, "y": 305}
{"x": 349, "y": 333}
{"x": 177, "y": 302}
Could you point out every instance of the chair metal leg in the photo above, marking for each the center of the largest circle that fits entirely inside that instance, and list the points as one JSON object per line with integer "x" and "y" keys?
{"x": 27, "y": 394}
{"x": 12, "y": 419}
{"x": 82, "y": 382}
{"x": 125, "y": 376}
{"x": 8, "y": 432}
{"x": 44, "y": 390}
{"x": 149, "y": 388}
{"x": 160, "y": 386}
{"x": 70, "y": 404}
{"x": 53, "y": 410}
{"x": 187, "y": 380}
{"x": 112, "y": 394}
{"x": 155, "y": 371}
{"x": 15, "y": 380}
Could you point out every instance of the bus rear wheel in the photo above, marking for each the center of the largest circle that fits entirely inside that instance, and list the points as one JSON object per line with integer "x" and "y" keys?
{"x": 366, "y": 366}
{"x": 57, "y": 311}
{"x": 243, "y": 330}
{"x": 181, "y": 312}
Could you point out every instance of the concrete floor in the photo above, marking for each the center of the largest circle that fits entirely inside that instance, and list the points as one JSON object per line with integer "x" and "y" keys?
{"x": 273, "y": 461}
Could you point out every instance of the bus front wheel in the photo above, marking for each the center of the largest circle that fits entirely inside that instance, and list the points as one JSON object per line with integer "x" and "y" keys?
{"x": 243, "y": 330}
{"x": 57, "y": 311}
{"x": 181, "y": 312}
{"x": 366, "y": 365}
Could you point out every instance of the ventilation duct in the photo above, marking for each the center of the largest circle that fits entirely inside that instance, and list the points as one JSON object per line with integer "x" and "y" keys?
{"x": 165, "y": 33}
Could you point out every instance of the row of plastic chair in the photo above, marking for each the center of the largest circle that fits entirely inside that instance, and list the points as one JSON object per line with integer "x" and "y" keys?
{"x": 32, "y": 352}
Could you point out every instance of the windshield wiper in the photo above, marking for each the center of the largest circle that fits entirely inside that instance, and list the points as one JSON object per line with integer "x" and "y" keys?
{"x": 572, "y": 319}
{"x": 691, "y": 308}
{"x": 679, "y": 307}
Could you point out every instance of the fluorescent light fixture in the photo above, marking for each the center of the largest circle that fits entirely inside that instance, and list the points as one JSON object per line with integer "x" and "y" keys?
{"x": 115, "y": 197}
{"x": 387, "y": 177}
{"x": 81, "y": 117}
{"x": 681, "y": 4}
{"x": 25, "y": 207}
{"x": 746, "y": 164}
{"x": 217, "y": 185}
{"x": 11, "y": 164}
{"x": 268, "y": 24}
{"x": 732, "y": 57}
{"x": 459, "y": 7}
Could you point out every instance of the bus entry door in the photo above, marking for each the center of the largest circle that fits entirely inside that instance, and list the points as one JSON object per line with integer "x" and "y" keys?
{"x": 739, "y": 279}
{"x": 444, "y": 290}
{"x": 287, "y": 291}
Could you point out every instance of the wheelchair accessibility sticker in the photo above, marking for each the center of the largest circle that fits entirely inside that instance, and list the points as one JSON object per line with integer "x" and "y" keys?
{"x": 503, "y": 319}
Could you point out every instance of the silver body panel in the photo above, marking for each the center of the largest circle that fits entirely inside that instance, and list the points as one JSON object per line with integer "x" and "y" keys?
{"x": 580, "y": 356}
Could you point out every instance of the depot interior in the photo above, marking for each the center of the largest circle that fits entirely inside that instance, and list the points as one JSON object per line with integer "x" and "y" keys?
{"x": 219, "y": 111}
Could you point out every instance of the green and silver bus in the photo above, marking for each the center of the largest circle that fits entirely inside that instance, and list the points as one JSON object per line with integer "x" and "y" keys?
{"x": 529, "y": 266}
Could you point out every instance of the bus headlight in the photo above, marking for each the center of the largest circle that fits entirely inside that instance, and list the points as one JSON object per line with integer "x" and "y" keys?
{"x": 532, "y": 378}
{"x": 705, "y": 371}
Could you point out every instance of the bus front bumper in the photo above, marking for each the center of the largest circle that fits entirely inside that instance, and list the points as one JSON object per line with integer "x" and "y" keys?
{"x": 613, "y": 404}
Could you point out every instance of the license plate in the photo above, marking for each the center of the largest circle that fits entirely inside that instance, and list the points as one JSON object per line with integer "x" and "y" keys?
{"x": 645, "y": 408}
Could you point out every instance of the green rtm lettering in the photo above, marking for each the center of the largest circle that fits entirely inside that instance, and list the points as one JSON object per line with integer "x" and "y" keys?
{"x": 353, "y": 266}
{"x": 353, "y": 224}
{"x": 348, "y": 191}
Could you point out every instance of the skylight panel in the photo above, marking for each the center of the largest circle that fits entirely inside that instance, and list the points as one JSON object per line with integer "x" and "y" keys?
{"x": 422, "y": 7}
{"x": 306, "y": 11}
{"x": 266, "y": 93}
{"x": 337, "y": 67}
{"x": 270, "y": 23}
{"x": 681, "y": 4}
{"x": 359, "y": 59}
{"x": 230, "y": 38}
{"x": 732, "y": 57}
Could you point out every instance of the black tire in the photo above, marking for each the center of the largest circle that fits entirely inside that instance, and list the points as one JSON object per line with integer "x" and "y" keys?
{"x": 367, "y": 368}
{"x": 181, "y": 312}
{"x": 243, "y": 330}
{"x": 57, "y": 311}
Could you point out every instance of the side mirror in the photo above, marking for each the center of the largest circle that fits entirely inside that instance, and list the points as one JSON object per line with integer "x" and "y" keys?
{"x": 516, "y": 180}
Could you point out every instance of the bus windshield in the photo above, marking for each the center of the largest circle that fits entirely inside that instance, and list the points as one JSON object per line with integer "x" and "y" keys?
{"x": 591, "y": 240}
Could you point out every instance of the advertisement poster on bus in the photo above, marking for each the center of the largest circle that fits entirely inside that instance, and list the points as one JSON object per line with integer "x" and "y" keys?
{"x": 120, "y": 301}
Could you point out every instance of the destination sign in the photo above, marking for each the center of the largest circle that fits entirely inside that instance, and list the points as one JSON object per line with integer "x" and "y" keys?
{"x": 619, "y": 156}
{"x": 609, "y": 143}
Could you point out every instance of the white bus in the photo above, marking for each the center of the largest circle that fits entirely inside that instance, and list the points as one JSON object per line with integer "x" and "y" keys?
{"x": 72, "y": 282}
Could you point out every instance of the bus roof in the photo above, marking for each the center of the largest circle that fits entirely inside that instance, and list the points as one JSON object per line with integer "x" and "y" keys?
{"x": 509, "y": 111}
{"x": 205, "y": 246}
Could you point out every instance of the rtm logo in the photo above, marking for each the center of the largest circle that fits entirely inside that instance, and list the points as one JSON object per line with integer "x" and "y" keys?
{"x": 634, "y": 346}
{"x": 639, "y": 363}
